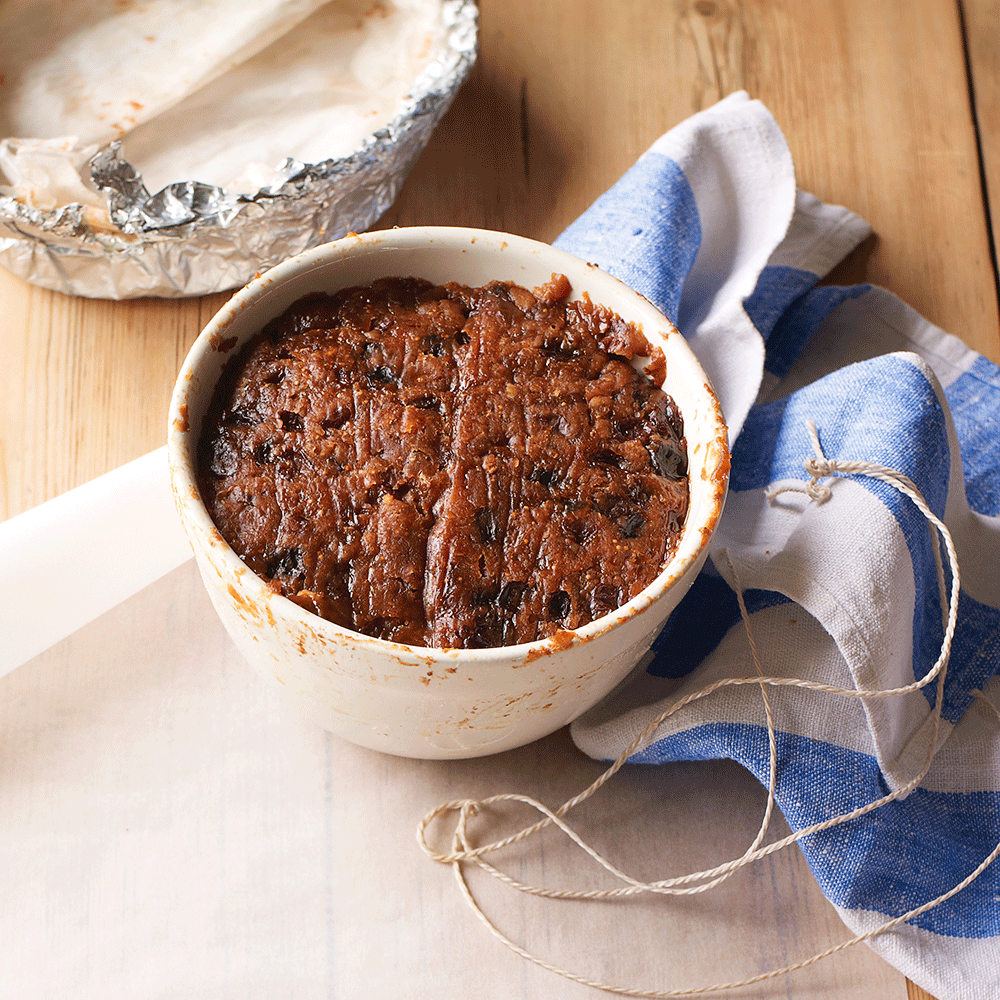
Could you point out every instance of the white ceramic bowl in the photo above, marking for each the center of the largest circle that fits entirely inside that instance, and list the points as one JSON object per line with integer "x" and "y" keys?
{"x": 411, "y": 700}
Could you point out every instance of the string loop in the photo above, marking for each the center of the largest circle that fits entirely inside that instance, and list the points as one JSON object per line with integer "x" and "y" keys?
{"x": 819, "y": 467}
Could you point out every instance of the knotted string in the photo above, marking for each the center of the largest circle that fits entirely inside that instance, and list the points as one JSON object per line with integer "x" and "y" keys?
{"x": 819, "y": 467}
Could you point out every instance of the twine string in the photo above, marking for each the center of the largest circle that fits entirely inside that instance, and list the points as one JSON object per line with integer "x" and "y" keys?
{"x": 819, "y": 468}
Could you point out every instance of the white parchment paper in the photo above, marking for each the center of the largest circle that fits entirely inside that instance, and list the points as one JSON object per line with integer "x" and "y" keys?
{"x": 66, "y": 562}
{"x": 171, "y": 830}
{"x": 218, "y": 92}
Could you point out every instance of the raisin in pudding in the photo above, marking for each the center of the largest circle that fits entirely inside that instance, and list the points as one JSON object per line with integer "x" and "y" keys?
{"x": 448, "y": 466}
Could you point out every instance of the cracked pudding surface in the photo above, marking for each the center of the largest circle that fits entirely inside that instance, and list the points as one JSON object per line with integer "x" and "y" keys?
{"x": 448, "y": 466}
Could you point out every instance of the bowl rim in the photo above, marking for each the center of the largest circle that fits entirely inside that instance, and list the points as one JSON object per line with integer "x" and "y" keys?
{"x": 182, "y": 443}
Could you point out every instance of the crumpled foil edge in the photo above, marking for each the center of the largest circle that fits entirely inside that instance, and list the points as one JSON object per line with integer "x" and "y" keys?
{"x": 192, "y": 238}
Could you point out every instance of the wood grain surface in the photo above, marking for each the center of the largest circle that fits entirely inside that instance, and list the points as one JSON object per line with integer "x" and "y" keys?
{"x": 873, "y": 98}
{"x": 890, "y": 108}
{"x": 982, "y": 34}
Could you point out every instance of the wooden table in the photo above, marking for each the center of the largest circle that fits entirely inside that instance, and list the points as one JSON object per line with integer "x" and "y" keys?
{"x": 890, "y": 108}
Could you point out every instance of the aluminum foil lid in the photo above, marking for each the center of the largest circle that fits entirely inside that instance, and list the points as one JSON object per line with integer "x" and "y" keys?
{"x": 351, "y": 91}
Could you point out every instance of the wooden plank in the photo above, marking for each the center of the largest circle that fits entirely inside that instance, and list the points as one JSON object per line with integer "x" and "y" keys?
{"x": 914, "y": 992}
{"x": 865, "y": 130}
{"x": 86, "y": 384}
{"x": 982, "y": 35}
{"x": 878, "y": 119}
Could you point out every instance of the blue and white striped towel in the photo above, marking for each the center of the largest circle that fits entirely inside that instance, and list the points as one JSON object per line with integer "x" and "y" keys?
{"x": 709, "y": 226}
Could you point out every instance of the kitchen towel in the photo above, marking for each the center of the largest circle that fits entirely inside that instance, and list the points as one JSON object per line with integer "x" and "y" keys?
{"x": 841, "y": 588}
